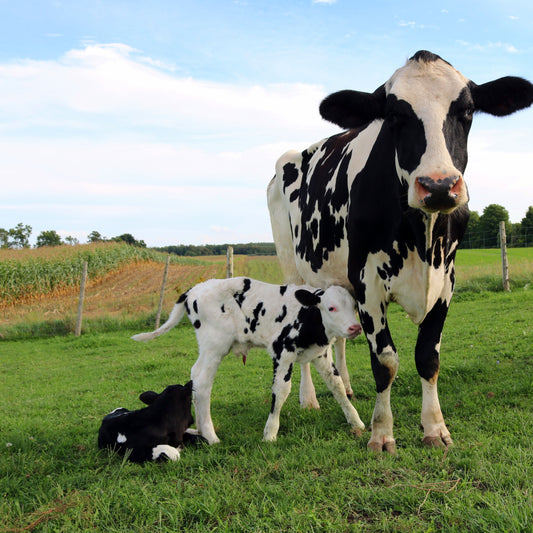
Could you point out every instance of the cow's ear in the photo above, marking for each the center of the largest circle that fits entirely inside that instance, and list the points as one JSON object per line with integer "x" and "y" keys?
{"x": 353, "y": 109}
{"x": 307, "y": 298}
{"x": 503, "y": 96}
{"x": 148, "y": 397}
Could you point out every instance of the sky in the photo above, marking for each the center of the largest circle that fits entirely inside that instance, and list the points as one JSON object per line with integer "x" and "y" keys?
{"x": 164, "y": 118}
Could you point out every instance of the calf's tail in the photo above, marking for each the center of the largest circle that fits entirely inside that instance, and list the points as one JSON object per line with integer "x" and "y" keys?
{"x": 173, "y": 320}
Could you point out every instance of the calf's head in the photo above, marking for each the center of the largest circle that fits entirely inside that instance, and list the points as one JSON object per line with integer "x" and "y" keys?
{"x": 427, "y": 107}
{"x": 337, "y": 308}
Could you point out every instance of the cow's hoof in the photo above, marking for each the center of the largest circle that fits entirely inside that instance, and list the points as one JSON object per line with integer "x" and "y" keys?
{"x": 357, "y": 431}
{"x": 437, "y": 442}
{"x": 378, "y": 447}
{"x": 311, "y": 404}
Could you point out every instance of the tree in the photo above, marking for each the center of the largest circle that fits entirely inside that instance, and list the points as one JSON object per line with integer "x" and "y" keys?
{"x": 129, "y": 239}
{"x": 20, "y": 235}
{"x": 4, "y": 238}
{"x": 95, "y": 236}
{"x": 489, "y": 224}
{"x": 527, "y": 221}
{"x": 48, "y": 238}
{"x": 71, "y": 241}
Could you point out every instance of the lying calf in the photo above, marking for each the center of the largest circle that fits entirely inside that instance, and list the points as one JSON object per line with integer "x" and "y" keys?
{"x": 296, "y": 324}
{"x": 155, "y": 432}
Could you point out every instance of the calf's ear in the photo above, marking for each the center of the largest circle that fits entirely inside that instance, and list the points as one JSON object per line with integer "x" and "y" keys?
{"x": 148, "y": 397}
{"x": 307, "y": 298}
{"x": 503, "y": 96}
{"x": 353, "y": 109}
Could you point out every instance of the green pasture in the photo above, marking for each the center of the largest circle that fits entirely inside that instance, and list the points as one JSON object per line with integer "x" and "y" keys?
{"x": 316, "y": 477}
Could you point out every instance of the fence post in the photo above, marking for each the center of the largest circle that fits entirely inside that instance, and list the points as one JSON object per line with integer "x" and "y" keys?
{"x": 77, "y": 331}
{"x": 505, "y": 263}
{"x": 161, "y": 296}
{"x": 229, "y": 262}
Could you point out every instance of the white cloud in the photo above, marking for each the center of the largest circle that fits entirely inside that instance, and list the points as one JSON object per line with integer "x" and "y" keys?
{"x": 114, "y": 83}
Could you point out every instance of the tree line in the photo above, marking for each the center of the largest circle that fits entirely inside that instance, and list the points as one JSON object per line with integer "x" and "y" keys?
{"x": 482, "y": 232}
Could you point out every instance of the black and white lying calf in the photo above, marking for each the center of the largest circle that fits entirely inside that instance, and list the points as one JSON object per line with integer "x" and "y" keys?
{"x": 155, "y": 432}
{"x": 295, "y": 324}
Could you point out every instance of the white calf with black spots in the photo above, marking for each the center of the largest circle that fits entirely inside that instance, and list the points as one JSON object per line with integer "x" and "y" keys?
{"x": 295, "y": 324}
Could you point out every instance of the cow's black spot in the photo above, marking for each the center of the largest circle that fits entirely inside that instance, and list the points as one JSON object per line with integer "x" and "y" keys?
{"x": 283, "y": 289}
{"x": 197, "y": 324}
{"x": 282, "y": 315}
{"x": 241, "y": 295}
{"x": 182, "y": 297}
{"x": 222, "y": 308}
{"x": 290, "y": 175}
{"x": 255, "y": 321}
{"x": 195, "y": 306}
{"x": 273, "y": 403}
{"x": 288, "y": 375}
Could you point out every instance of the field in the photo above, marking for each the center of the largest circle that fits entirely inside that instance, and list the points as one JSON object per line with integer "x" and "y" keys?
{"x": 317, "y": 476}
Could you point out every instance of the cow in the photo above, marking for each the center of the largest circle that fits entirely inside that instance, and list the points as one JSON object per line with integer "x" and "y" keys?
{"x": 153, "y": 433}
{"x": 381, "y": 208}
{"x": 295, "y": 324}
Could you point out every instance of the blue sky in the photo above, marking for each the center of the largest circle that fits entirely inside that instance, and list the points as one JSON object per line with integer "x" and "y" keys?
{"x": 164, "y": 119}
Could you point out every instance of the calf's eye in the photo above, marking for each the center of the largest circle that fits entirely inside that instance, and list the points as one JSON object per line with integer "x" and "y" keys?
{"x": 332, "y": 309}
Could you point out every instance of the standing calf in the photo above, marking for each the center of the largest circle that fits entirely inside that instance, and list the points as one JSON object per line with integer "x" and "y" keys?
{"x": 295, "y": 324}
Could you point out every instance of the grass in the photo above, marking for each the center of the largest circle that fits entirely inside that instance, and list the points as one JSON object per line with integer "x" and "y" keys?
{"x": 316, "y": 477}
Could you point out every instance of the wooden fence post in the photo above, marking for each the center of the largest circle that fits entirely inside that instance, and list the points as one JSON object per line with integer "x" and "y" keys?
{"x": 229, "y": 262}
{"x": 161, "y": 296}
{"x": 77, "y": 331}
{"x": 505, "y": 263}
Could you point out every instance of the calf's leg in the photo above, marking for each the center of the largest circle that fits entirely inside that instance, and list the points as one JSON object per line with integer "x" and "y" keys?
{"x": 326, "y": 368}
{"x": 281, "y": 386}
{"x": 203, "y": 374}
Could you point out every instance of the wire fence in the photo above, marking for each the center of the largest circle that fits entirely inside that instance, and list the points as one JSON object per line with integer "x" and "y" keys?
{"x": 516, "y": 238}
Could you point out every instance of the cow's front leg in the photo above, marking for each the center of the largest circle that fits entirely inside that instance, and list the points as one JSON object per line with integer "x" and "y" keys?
{"x": 384, "y": 361}
{"x": 427, "y": 352}
{"x": 326, "y": 368}
{"x": 281, "y": 386}
{"x": 307, "y": 389}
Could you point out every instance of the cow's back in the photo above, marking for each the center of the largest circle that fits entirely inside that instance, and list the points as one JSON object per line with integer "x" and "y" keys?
{"x": 309, "y": 203}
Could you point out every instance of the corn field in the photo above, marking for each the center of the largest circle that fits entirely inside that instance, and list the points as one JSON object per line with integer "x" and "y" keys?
{"x": 30, "y": 275}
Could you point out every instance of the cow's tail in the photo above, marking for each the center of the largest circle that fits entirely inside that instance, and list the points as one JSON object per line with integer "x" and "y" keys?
{"x": 173, "y": 320}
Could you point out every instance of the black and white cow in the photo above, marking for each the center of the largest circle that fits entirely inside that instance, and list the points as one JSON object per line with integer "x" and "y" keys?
{"x": 295, "y": 324}
{"x": 155, "y": 432}
{"x": 381, "y": 208}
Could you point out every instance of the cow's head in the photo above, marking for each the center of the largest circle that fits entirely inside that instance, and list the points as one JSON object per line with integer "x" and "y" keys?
{"x": 428, "y": 107}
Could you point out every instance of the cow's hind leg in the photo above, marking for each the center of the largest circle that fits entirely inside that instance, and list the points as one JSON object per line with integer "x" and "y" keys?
{"x": 281, "y": 386}
{"x": 326, "y": 368}
{"x": 427, "y": 351}
{"x": 203, "y": 374}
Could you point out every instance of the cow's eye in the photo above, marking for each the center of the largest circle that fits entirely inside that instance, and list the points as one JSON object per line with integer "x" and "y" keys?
{"x": 467, "y": 114}
{"x": 332, "y": 309}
